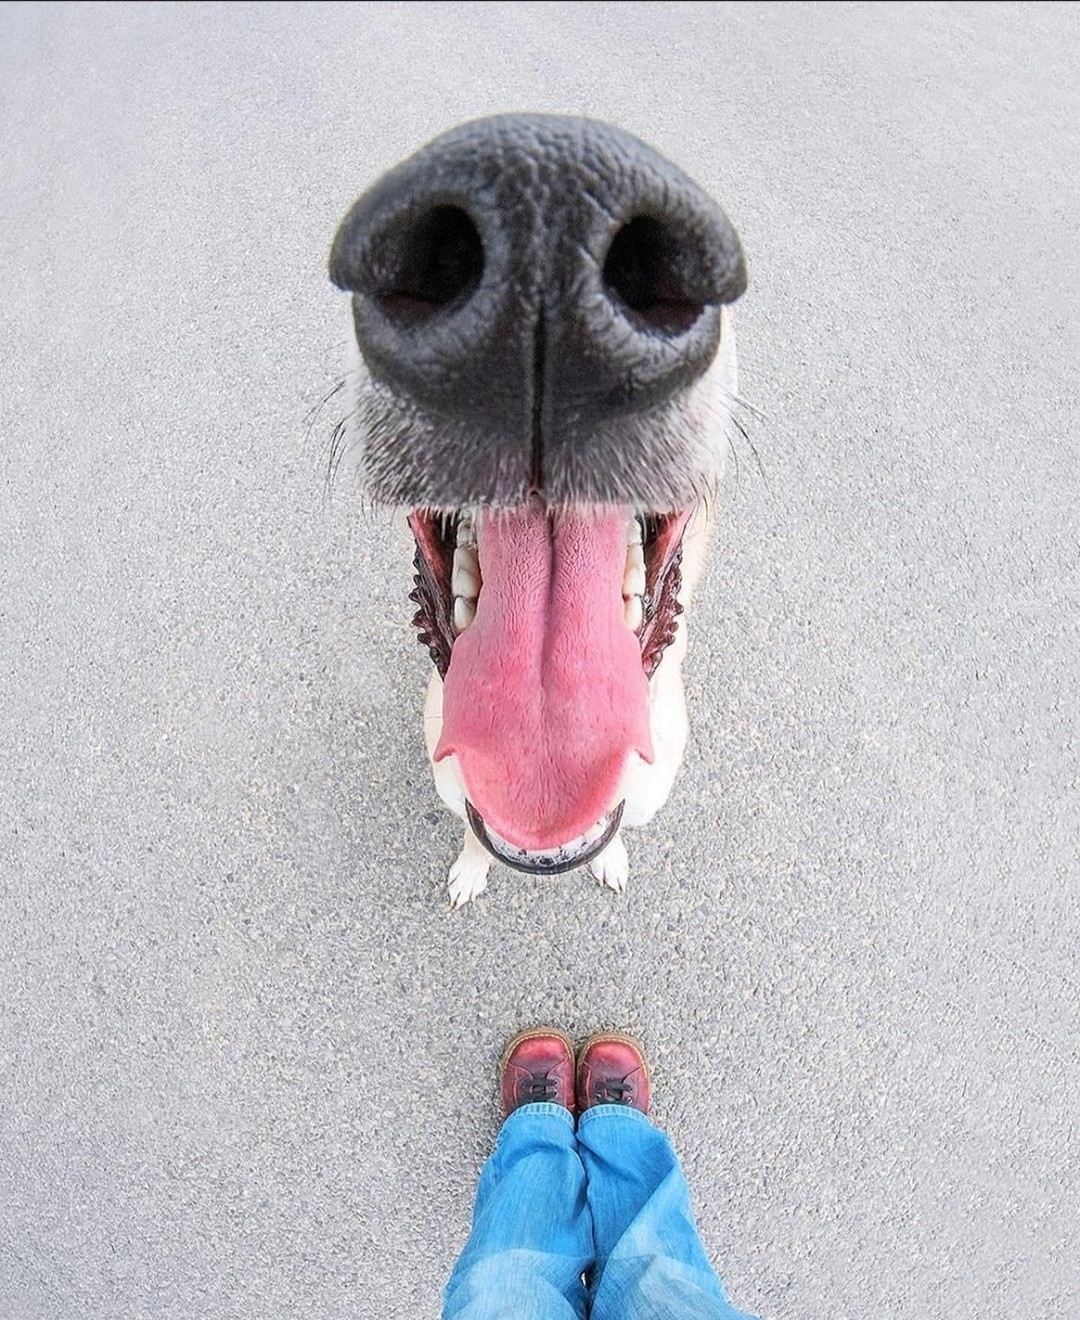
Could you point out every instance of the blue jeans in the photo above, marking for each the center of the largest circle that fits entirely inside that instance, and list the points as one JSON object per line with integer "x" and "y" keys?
{"x": 607, "y": 1204}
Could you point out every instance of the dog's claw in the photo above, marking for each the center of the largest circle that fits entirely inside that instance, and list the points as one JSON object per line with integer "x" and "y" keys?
{"x": 612, "y": 866}
{"x": 468, "y": 875}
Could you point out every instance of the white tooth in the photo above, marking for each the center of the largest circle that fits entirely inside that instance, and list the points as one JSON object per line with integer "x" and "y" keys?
{"x": 633, "y": 583}
{"x": 464, "y": 610}
{"x": 466, "y": 530}
{"x": 465, "y": 580}
{"x": 633, "y": 612}
{"x": 592, "y": 835}
{"x": 633, "y": 532}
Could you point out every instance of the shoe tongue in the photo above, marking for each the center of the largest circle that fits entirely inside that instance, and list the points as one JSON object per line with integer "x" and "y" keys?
{"x": 545, "y": 696}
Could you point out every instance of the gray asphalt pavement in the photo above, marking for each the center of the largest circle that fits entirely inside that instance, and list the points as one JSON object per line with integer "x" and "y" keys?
{"x": 246, "y": 1051}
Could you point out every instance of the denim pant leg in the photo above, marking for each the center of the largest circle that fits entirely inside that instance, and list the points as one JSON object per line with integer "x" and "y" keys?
{"x": 650, "y": 1264}
{"x": 531, "y": 1237}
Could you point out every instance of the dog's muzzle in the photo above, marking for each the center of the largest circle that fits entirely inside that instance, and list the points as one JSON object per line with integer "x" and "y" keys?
{"x": 538, "y": 302}
{"x": 521, "y": 287}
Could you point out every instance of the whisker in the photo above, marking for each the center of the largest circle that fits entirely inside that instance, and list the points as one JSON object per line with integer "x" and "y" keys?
{"x": 735, "y": 457}
{"x": 753, "y": 449}
{"x": 338, "y": 447}
{"x": 705, "y": 493}
{"x": 755, "y": 412}
{"x": 313, "y": 412}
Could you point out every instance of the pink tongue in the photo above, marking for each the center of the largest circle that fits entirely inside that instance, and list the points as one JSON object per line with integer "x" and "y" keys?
{"x": 546, "y": 695}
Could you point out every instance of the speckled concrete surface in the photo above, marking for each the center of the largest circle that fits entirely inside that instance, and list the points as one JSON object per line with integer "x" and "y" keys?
{"x": 245, "y": 1049}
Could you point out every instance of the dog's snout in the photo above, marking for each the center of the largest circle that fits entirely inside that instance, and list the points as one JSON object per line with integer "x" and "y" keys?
{"x": 518, "y": 286}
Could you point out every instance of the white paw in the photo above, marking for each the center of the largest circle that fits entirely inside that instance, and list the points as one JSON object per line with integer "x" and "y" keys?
{"x": 468, "y": 877}
{"x": 612, "y": 866}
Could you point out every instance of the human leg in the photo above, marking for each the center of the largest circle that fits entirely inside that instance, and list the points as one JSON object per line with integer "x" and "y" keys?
{"x": 531, "y": 1238}
{"x": 650, "y": 1263}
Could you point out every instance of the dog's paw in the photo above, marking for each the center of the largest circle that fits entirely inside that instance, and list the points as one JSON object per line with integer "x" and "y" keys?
{"x": 612, "y": 866}
{"x": 468, "y": 877}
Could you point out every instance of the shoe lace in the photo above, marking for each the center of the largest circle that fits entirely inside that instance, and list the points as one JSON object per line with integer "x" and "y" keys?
{"x": 613, "y": 1091}
{"x": 541, "y": 1086}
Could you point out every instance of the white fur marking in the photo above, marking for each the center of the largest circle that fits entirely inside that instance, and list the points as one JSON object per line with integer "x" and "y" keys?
{"x": 468, "y": 875}
{"x": 612, "y": 866}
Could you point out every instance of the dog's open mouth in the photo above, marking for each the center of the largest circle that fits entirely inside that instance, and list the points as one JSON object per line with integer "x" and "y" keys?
{"x": 546, "y": 626}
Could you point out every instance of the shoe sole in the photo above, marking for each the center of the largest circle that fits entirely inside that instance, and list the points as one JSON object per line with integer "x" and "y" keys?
{"x": 621, "y": 1038}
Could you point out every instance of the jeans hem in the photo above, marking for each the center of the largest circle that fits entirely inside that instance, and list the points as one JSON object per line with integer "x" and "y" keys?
{"x": 612, "y": 1113}
{"x": 540, "y": 1108}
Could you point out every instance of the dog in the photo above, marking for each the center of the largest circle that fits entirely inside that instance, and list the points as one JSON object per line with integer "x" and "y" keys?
{"x": 545, "y": 377}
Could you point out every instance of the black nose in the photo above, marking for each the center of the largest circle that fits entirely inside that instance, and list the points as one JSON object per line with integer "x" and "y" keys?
{"x": 522, "y": 287}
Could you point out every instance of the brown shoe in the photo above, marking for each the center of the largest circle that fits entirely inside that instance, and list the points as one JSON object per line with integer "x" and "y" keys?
{"x": 612, "y": 1070}
{"x": 537, "y": 1065}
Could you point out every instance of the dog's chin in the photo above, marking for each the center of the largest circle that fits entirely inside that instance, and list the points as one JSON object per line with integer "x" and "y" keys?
{"x": 551, "y": 861}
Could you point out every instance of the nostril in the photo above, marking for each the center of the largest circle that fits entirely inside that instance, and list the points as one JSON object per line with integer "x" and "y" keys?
{"x": 429, "y": 265}
{"x": 655, "y": 274}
